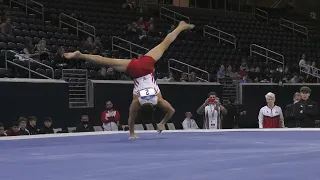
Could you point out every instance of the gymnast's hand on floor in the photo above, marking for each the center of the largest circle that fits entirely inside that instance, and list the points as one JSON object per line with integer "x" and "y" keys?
{"x": 74, "y": 55}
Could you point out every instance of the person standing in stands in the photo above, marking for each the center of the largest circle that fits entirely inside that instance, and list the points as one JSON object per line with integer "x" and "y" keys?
{"x": 31, "y": 127}
{"x": 189, "y": 123}
{"x": 47, "y": 128}
{"x": 14, "y": 129}
{"x": 23, "y": 126}
{"x": 6, "y": 27}
{"x": 306, "y": 111}
{"x": 290, "y": 121}
{"x": 2, "y": 133}
{"x": 110, "y": 118}
{"x": 84, "y": 125}
{"x": 271, "y": 116}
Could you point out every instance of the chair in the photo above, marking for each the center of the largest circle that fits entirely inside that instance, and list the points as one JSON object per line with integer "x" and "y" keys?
{"x": 97, "y": 128}
{"x": 138, "y": 127}
{"x": 171, "y": 126}
{"x": 149, "y": 126}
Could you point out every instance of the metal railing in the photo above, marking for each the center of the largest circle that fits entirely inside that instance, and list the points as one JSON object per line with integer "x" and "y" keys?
{"x": 27, "y": 6}
{"x": 176, "y": 17}
{"x": 24, "y": 58}
{"x": 130, "y": 46}
{"x": 276, "y": 4}
{"x": 189, "y": 67}
{"x": 80, "y": 26}
{"x": 261, "y": 13}
{"x": 310, "y": 70}
{"x": 267, "y": 54}
{"x": 294, "y": 27}
{"x": 233, "y": 41}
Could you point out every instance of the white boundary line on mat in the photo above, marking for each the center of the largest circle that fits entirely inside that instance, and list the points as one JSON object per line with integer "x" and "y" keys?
{"x": 154, "y": 131}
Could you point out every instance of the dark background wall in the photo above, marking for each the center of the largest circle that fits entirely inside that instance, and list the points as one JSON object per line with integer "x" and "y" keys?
{"x": 253, "y": 97}
{"x": 44, "y": 99}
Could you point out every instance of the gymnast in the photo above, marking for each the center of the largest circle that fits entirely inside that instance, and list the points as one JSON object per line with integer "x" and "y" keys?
{"x": 145, "y": 91}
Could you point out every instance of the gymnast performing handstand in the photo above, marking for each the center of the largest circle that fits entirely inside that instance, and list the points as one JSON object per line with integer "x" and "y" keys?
{"x": 146, "y": 90}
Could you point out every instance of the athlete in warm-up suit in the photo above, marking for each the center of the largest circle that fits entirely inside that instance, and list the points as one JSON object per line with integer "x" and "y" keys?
{"x": 271, "y": 116}
{"x": 145, "y": 91}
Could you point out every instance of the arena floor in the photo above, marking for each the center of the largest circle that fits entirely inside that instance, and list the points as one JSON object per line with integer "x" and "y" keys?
{"x": 199, "y": 155}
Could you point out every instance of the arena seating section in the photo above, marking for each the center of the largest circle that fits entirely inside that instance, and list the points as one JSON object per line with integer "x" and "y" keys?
{"x": 193, "y": 48}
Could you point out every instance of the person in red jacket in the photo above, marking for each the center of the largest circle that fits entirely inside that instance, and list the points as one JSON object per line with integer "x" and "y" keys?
{"x": 110, "y": 118}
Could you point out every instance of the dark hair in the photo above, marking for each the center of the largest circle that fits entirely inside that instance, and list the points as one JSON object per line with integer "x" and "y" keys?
{"x": 212, "y": 94}
{"x": 1, "y": 124}
{"x": 32, "y": 118}
{"x": 15, "y": 123}
{"x": 48, "y": 119}
{"x": 305, "y": 89}
{"x": 232, "y": 100}
{"x": 22, "y": 119}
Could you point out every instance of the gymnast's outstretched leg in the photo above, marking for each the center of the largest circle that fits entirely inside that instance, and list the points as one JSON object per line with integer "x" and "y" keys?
{"x": 119, "y": 65}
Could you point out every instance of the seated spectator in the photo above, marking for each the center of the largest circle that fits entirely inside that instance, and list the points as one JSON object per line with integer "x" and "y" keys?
{"x": 23, "y": 126}
{"x": 245, "y": 79}
{"x": 89, "y": 46}
{"x": 2, "y": 133}
{"x": 106, "y": 74}
{"x": 47, "y": 126}
{"x": 221, "y": 72}
{"x": 192, "y": 77}
{"x": 42, "y": 50}
{"x": 110, "y": 118}
{"x": 6, "y": 27}
{"x": 130, "y": 4}
{"x": 84, "y": 125}
{"x": 29, "y": 49}
{"x": 149, "y": 23}
{"x": 141, "y": 23}
{"x": 14, "y": 129}
{"x": 184, "y": 77}
{"x": 59, "y": 58}
{"x": 167, "y": 79}
{"x": 171, "y": 29}
{"x": 230, "y": 73}
{"x": 98, "y": 46}
{"x": 189, "y": 123}
{"x": 31, "y": 127}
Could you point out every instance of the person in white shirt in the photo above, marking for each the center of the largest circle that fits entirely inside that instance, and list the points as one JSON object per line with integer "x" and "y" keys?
{"x": 271, "y": 116}
{"x": 189, "y": 123}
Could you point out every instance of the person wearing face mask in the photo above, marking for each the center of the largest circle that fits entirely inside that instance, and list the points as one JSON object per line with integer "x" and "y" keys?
{"x": 84, "y": 125}
{"x": 290, "y": 121}
{"x": 306, "y": 111}
{"x": 271, "y": 116}
{"x": 189, "y": 123}
{"x": 110, "y": 118}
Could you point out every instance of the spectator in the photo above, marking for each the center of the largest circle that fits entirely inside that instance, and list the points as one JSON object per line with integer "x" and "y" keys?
{"x": 141, "y": 24}
{"x": 171, "y": 29}
{"x": 2, "y": 133}
{"x": 84, "y": 125}
{"x": 221, "y": 72}
{"x": 29, "y": 49}
{"x": 168, "y": 79}
{"x": 130, "y": 4}
{"x": 110, "y": 118}
{"x": 230, "y": 73}
{"x": 294, "y": 79}
{"x": 6, "y": 27}
{"x": 306, "y": 110}
{"x": 210, "y": 110}
{"x": 14, "y": 129}
{"x": 184, "y": 77}
{"x": 98, "y": 46}
{"x": 288, "y": 115}
{"x": 192, "y": 77}
{"x": 42, "y": 50}
{"x": 23, "y": 126}
{"x": 47, "y": 126}
{"x": 229, "y": 121}
{"x": 189, "y": 123}
{"x": 245, "y": 79}
{"x": 149, "y": 23}
{"x": 241, "y": 72}
{"x": 89, "y": 46}
{"x": 31, "y": 127}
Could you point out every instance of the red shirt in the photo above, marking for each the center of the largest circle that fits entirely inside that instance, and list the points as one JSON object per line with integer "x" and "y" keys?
{"x": 108, "y": 116}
